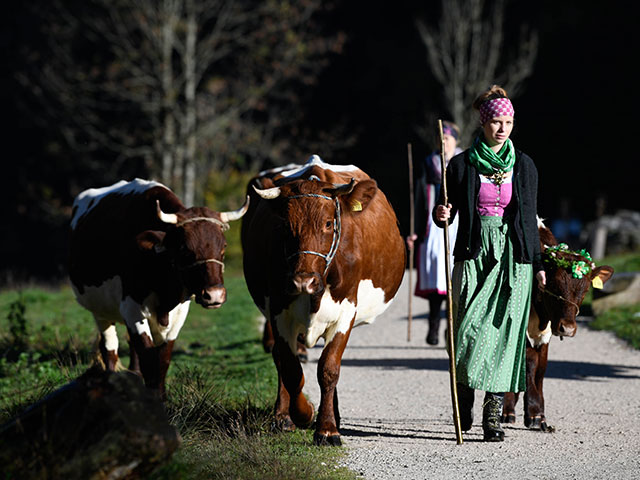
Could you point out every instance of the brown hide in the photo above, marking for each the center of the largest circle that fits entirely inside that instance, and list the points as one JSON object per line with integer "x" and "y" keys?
{"x": 284, "y": 240}
{"x": 554, "y": 307}
{"x": 122, "y": 236}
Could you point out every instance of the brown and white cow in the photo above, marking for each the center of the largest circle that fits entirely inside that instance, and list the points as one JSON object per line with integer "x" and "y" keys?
{"x": 137, "y": 256}
{"x": 322, "y": 254}
{"x": 553, "y": 312}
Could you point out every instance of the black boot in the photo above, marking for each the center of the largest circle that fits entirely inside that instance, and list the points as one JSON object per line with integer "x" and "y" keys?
{"x": 491, "y": 413}
{"x": 434, "y": 327}
{"x": 466, "y": 396}
{"x": 435, "y": 302}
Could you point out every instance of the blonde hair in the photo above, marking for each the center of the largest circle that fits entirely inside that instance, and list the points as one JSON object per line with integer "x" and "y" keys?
{"x": 494, "y": 92}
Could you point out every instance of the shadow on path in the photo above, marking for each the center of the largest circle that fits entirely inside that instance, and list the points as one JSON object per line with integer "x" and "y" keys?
{"x": 567, "y": 370}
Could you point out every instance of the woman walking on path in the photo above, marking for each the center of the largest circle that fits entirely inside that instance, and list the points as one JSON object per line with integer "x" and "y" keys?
{"x": 430, "y": 261}
{"x": 493, "y": 187}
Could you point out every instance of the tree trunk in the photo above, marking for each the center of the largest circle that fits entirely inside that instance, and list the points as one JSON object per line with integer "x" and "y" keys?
{"x": 190, "y": 105}
{"x": 168, "y": 100}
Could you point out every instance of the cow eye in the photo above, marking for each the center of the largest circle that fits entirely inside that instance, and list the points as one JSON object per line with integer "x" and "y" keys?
{"x": 328, "y": 225}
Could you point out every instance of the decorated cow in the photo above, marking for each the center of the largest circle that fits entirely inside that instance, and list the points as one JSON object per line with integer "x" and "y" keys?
{"x": 553, "y": 312}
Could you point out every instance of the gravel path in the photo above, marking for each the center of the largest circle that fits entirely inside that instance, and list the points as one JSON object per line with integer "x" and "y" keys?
{"x": 396, "y": 408}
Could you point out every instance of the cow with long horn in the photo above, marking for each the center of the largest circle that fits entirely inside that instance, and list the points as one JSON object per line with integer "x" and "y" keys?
{"x": 137, "y": 256}
{"x": 322, "y": 254}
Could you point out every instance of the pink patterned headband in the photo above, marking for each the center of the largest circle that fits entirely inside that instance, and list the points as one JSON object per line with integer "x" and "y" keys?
{"x": 496, "y": 107}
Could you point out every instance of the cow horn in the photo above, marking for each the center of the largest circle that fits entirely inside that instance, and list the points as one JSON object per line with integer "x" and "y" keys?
{"x": 166, "y": 217}
{"x": 236, "y": 214}
{"x": 268, "y": 193}
{"x": 345, "y": 188}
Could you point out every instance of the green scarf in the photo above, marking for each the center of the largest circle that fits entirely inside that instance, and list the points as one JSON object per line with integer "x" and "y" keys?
{"x": 489, "y": 162}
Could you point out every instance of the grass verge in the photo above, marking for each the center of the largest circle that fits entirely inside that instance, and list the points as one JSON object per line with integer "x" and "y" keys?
{"x": 221, "y": 384}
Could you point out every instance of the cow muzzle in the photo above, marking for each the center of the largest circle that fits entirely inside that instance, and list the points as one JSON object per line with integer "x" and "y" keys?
{"x": 212, "y": 297}
{"x": 566, "y": 330}
{"x": 308, "y": 283}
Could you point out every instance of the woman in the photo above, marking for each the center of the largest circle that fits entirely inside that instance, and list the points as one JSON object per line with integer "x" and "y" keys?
{"x": 430, "y": 261}
{"x": 493, "y": 187}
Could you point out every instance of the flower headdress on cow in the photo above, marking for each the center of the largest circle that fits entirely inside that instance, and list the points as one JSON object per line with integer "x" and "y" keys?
{"x": 560, "y": 255}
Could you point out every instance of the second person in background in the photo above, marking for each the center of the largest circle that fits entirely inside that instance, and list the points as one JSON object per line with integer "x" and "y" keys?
{"x": 430, "y": 258}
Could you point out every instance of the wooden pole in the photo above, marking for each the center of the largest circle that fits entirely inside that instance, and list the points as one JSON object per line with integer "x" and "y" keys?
{"x": 411, "y": 233}
{"x": 447, "y": 263}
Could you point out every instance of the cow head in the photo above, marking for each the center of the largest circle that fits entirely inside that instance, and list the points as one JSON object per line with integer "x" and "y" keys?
{"x": 569, "y": 276}
{"x": 313, "y": 215}
{"x": 194, "y": 245}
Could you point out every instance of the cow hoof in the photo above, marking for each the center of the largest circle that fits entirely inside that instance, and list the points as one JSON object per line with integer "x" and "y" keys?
{"x": 283, "y": 425}
{"x": 547, "y": 428}
{"x": 538, "y": 423}
{"x": 326, "y": 440}
{"x": 508, "y": 418}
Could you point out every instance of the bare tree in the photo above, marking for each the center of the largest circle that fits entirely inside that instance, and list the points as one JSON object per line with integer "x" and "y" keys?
{"x": 467, "y": 53}
{"x": 175, "y": 82}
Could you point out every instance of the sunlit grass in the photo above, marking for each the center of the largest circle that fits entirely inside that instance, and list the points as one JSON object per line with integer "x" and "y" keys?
{"x": 221, "y": 384}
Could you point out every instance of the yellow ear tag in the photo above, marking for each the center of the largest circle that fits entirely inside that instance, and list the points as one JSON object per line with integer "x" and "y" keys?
{"x": 356, "y": 206}
{"x": 597, "y": 282}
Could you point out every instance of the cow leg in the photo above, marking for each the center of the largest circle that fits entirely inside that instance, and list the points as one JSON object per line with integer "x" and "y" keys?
{"x": 302, "y": 349}
{"x": 267, "y": 337}
{"x": 108, "y": 344}
{"x": 291, "y": 408}
{"x": 328, "y": 374}
{"x": 509, "y": 407}
{"x": 533, "y": 398}
{"x": 153, "y": 362}
{"x": 134, "y": 360}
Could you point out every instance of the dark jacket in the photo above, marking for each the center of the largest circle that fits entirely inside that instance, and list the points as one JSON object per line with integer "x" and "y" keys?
{"x": 463, "y": 187}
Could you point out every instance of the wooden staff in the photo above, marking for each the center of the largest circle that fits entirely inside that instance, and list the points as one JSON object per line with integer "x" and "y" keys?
{"x": 411, "y": 233}
{"x": 447, "y": 263}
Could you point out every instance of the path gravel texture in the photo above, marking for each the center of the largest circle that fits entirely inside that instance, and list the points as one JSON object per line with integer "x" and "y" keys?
{"x": 395, "y": 405}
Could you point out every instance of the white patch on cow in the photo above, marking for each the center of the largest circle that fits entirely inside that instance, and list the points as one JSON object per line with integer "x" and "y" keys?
{"x": 370, "y": 302}
{"x": 110, "y": 338}
{"x": 88, "y": 199}
{"x": 276, "y": 170}
{"x": 540, "y": 222}
{"x": 536, "y": 336}
{"x": 102, "y": 301}
{"x": 108, "y": 307}
{"x": 136, "y": 317}
{"x": 177, "y": 317}
{"x": 332, "y": 317}
{"x": 315, "y": 160}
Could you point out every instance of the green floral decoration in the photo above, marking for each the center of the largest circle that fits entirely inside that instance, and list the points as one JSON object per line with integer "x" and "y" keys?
{"x": 578, "y": 268}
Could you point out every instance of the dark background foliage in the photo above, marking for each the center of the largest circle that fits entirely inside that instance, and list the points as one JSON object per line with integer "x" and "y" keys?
{"x": 574, "y": 118}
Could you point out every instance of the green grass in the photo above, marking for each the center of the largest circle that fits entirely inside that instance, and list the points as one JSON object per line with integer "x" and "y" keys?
{"x": 623, "y": 321}
{"x": 221, "y": 384}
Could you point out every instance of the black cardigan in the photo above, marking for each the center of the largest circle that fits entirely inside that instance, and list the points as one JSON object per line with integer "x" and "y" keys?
{"x": 463, "y": 179}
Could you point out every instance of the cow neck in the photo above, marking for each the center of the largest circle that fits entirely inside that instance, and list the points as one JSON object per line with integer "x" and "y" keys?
{"x": 223, "y": 225}
{"x": 337, "y": 231}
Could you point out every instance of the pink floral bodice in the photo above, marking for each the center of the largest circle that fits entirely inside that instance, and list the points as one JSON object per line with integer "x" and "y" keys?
{"x": 493, "y": 199}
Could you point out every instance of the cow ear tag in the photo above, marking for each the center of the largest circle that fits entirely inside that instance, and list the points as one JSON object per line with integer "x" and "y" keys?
{"x": 356, "y": 206}
{"x": 597, "y": 282}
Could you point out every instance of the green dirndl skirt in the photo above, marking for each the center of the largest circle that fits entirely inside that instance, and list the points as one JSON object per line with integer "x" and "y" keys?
{"x": 491, "y": 301}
